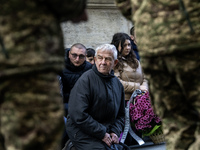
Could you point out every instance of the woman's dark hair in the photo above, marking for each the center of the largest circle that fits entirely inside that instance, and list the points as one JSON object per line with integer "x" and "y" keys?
{"x": 119, "y": 39}
{"x": 90, "y": 52}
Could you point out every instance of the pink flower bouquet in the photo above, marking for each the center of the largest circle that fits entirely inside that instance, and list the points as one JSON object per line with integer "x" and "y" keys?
{"x": 142, "y": 116}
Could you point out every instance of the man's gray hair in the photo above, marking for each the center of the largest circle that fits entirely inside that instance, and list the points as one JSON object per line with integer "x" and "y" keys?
{"x": 107, "y": 47}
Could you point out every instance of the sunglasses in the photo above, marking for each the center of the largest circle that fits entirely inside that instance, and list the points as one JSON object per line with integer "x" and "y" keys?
{"x": 75, "y": 56}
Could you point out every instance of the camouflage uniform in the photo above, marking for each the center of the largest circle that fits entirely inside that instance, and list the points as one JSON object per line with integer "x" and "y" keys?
{"x": 168, "y": 35}
{"x": 32, "y": 53}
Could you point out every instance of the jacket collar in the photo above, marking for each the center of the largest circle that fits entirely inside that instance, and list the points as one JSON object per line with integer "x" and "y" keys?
{"x": 109, "y": 76}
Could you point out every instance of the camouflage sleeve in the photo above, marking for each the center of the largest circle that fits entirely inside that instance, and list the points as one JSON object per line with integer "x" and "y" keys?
{"x": 168, "y": 38}
{"x": 33, "y": 52}
{"x": 125, "y": 8}
{"x": 65, "y": 9}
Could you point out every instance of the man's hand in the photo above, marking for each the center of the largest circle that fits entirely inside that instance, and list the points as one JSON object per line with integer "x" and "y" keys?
{"x": 115, "y": 138}
{"x": 107, "y": 139}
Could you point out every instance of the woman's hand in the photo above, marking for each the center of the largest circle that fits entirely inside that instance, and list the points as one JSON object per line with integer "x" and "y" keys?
{"x": 143, "y": 88}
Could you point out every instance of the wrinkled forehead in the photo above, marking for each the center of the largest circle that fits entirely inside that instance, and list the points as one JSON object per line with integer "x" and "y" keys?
{"x": 105, "y": 53}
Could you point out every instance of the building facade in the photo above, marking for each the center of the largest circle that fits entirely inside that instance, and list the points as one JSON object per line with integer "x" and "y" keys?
{"x": 104, "y": 20}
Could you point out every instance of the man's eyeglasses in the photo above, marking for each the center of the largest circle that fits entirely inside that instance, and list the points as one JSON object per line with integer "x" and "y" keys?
{"x": 75, "y": 56}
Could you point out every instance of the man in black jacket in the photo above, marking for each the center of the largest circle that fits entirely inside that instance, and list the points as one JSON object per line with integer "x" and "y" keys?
{"x": 96, "y": 104}
{"x": 75, "y": 66}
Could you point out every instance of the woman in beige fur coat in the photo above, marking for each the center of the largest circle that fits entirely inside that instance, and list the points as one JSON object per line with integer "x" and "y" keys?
{"x": 128, "y": 69}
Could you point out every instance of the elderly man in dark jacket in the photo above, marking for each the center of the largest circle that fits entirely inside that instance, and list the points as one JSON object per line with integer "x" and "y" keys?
{"x": 96, "y": 111}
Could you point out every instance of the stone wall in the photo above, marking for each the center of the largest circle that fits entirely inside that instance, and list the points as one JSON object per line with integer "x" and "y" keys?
{"x": 104, "y": 19}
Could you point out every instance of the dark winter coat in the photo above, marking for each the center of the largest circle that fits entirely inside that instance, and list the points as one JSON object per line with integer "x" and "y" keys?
{"x": 96, "y": 105}
{"x": 70, "y": 75}
{"x": 134, "y": 47}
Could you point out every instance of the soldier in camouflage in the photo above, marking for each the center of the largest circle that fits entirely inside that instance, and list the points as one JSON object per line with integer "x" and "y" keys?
{"x": 32, "y": 54}
{"x": 168, "y": 34}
